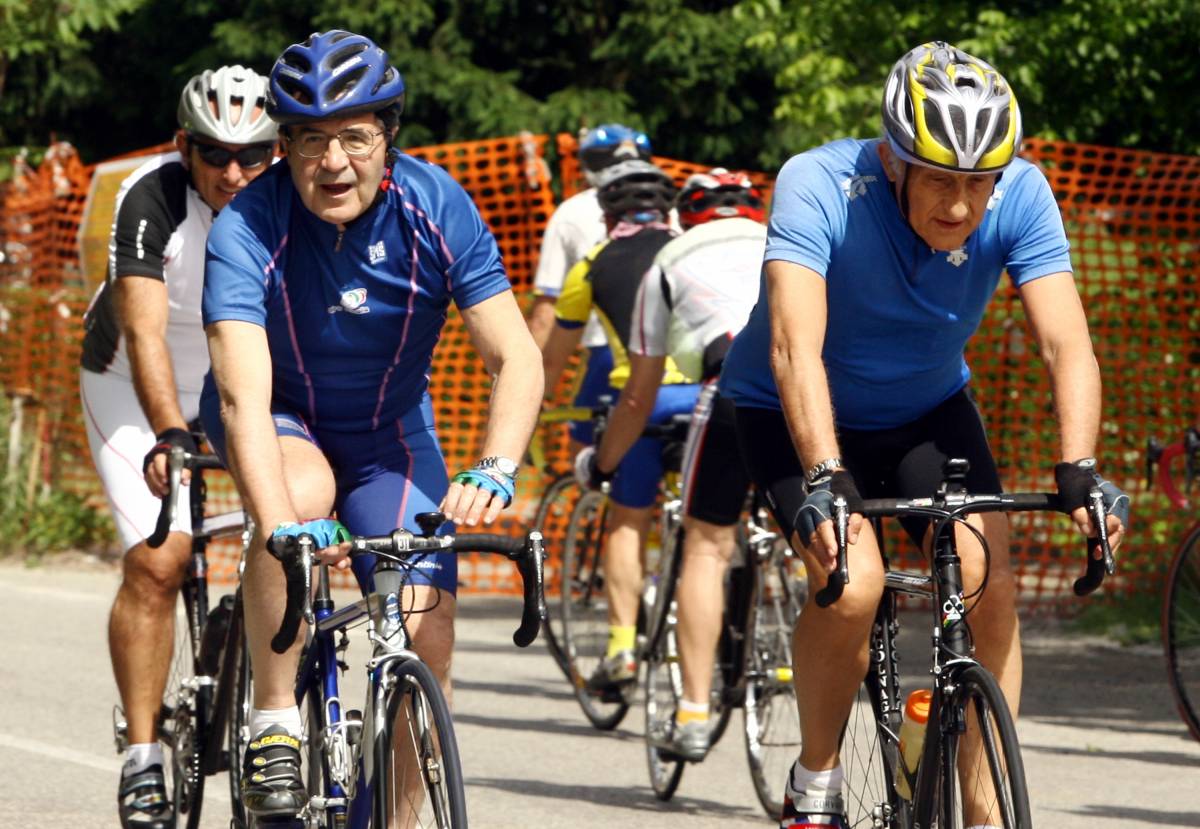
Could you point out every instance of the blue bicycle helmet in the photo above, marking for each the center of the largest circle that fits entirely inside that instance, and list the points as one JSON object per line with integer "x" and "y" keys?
{"x": 602, "y": 146}
{"x": 332, "y": 74}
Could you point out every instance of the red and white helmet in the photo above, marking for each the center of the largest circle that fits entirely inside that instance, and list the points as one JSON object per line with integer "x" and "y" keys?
{"x": 718, "y": 194}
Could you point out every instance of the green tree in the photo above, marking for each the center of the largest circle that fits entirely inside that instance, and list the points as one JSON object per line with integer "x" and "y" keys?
{"x": 45, "y": 68}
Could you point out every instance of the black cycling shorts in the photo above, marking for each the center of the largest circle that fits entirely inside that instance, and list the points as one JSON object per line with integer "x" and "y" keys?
{"x": 715, "y": 481}
{"x": 903, "y": 462}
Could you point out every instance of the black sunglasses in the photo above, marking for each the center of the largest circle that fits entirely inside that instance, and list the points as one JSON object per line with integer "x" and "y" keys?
{"x": 247, "y": 157}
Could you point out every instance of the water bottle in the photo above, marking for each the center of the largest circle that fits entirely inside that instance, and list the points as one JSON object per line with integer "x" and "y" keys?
{"x": 213, "y": 640}
{"x": 912, "y": 739}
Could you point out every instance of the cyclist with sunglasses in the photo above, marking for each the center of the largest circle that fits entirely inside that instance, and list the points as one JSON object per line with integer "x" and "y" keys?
{"x": 143, "y": 365}
{"x": 575, "y": 227}
{"x": 326, "y": 287}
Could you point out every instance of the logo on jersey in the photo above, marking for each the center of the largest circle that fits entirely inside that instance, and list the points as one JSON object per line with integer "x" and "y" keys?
{"x": 856, "y": 186}
{"x": 376, "y": 252}
{"x": 353, "y": 301}
{"x": 994, "y": 199}
{"x": 957, "y": 256}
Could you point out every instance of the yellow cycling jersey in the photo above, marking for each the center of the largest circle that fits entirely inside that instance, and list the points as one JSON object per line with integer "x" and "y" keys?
{"x": 607, "y": 280}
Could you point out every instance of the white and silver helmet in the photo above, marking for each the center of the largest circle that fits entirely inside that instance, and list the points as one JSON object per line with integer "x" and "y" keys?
{"x": 947, "y": 109}
{"x": 222, "y": 89}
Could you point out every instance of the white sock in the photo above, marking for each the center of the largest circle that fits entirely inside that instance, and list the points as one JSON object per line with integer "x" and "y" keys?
{"x": 141, "y": 756}
{"x": 816, "y": 783}
{"x": 263, "y": 718}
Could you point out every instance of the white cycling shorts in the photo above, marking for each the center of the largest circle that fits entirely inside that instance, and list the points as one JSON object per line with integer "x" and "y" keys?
{"x": 120, "y": 436}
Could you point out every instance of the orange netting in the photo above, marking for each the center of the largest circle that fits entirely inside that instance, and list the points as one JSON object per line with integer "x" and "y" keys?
{"x": 1134, "y": 223}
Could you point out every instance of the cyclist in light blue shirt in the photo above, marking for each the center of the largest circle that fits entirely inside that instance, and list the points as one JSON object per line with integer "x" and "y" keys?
{"x": 849, "y": 377}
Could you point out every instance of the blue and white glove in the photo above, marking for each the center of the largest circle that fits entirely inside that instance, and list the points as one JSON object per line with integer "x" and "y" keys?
{"x": 818, "y": 506}
{"x": 586, "y": 473}
{"x": 325, "y": 532}
{"x": 489, "y": 479}
{"x": 1076, "y": 479}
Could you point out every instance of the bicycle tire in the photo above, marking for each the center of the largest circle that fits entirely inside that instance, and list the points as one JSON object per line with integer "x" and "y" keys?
{"x": 237, "y": 718}
{"x": 584, "y": 611}
{"x": 1007, "y": 805}
{"x": 428, "y": 730}
{"x": 552, "y": 517}
{"x": 663, "y": 686}
{"x": 182, "y": 718}
{"x": 1181, "y": 630}
{"x": 771, "y": 719}
{"x": 659, "y": 584}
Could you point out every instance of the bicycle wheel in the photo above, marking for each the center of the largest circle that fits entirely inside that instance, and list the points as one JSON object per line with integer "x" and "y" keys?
{"x": 417, "y": 779}
{"x": 183, "y": 717}
{"x": 662, "y": 573}
{"x": 770, "y": 717}
{"x": 869, "y": 753}
{"x": 585, "y": 612}
{"x": 553, "y": 514}
{"x": 1181, "y": 630}
{"x": 237, "y": 723}
{"x": 981, "y": 784}
{"x": 663, "y": 686}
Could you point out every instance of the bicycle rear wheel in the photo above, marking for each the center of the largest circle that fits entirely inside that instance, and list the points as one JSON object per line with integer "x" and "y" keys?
{"x": 771, "y": 719}
{"x": 183, "y": 718}
{"x": 417, "y": 779}
{"x": 663, "y": 686}
{"x": 1181, "y": 630}
{"x": 982, "y": 780}
{"x": 552, "y": 517}
{"x": 585, "y": 612}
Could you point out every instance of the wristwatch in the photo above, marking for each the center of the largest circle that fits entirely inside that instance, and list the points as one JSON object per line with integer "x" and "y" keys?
{"x": 506, "y": 466}
{"x": 822, "y": 469}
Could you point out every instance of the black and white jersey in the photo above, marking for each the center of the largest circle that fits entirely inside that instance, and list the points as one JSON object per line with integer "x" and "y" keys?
{"x": 160, "y": 225}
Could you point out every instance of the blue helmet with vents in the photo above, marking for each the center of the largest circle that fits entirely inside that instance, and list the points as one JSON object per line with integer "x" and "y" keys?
{"x": 609, "y": 143}
{"x": 332, "y": 75}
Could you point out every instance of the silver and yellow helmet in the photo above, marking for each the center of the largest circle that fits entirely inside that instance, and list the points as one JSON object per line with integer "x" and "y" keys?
{"x": 947, "y": 109}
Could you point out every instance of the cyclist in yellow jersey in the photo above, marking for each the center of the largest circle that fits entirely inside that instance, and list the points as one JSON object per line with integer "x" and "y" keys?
{"x": 636, "y": 197}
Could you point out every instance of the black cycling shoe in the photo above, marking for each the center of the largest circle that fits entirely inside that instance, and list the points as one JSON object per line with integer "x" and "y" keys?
{"x": 271, "y": 783}
{"x": 142, "y": 800}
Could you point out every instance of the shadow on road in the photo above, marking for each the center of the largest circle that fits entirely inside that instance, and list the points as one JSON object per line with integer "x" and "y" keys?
{"x": 633, "y": 799}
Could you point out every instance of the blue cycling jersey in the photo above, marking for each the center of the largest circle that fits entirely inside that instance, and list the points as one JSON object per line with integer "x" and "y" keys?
{"x": 899, "y": 313}
{"x": 351, "y": 317}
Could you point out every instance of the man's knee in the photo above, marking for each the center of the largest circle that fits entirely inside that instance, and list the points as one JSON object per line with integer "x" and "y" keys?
{"x": 154, "y": 575}
{"x": 433, "y": 635}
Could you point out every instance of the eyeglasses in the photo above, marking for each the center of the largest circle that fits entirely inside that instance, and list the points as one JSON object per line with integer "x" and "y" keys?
{"x": 247, "y": 157}
{"x": 354, "y": 141}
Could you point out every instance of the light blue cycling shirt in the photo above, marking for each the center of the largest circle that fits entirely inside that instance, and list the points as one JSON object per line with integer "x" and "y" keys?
{"x": 351, "y": 318}
{"x": 899, "y": 313}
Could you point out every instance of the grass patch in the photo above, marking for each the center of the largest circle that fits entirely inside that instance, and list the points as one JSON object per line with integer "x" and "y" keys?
{"x": 1131, "y": 620}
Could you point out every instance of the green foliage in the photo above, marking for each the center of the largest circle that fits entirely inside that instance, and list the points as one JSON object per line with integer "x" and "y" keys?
{"x": 38, "y": 519}
{"x": 1131, "y": 620}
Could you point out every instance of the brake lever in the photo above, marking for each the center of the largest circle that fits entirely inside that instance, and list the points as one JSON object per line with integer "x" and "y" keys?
{"x": 840, "y": 577}
{"x": 1096, "y": 567}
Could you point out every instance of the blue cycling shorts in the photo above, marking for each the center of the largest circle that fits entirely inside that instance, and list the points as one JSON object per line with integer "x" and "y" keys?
{"x": 384, "y": 478}
{"x": 636, "y": 481}
{"x": 591, "y": 388}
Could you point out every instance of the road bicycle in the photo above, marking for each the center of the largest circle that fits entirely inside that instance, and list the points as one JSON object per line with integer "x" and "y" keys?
{"x": 1181, "y": 598}
{"x": 395, "y": 761}
{"x": 765, "y": 589}
{"x": 970, "y": 754}
{"x": 583, "y": 605}
{"x": 204, "y": 700}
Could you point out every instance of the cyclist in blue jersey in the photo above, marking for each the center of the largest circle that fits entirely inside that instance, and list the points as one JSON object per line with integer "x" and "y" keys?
{"x": 881, "y": 257}
{"x": 326, "y": 288}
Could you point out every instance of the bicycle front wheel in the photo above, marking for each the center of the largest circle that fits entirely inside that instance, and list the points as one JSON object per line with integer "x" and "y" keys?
{"x": 663, "y": 686}
{"x": 237, "y": 723}
{"x": 552, "y": 518}
{"x": 183, "y": 718}
{"x": 417, "y": 779}
{"x": 1181, "y": 630}
{"x": 585, "y": 613}
{"x": 982, "y": 778}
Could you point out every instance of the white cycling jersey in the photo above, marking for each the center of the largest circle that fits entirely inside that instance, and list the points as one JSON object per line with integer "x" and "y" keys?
{"x": 575, "y": 227}
{"x": 698, "y": 295}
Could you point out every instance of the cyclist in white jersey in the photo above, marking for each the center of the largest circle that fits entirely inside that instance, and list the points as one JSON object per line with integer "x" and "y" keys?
{"x": 143, "y": 364}
{"x": 692, "y": 302}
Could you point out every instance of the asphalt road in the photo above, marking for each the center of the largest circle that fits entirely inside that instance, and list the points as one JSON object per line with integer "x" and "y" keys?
{"x": 1102, "y": 744}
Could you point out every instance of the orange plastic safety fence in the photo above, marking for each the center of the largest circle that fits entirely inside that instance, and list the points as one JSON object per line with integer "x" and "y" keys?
{"x": 1134, "y": 223}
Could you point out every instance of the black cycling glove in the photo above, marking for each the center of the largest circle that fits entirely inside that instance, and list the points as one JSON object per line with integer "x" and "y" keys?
{"x": 818, "y": 506}
{"x": 1076, "y": 479}
{"x": 166, "y": 440}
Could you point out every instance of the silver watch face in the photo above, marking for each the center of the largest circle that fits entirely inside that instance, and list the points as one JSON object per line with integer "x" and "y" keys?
{"x": 505, "y": 465}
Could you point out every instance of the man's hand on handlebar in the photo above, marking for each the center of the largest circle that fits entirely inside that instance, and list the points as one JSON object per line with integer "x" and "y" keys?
{"x": 1075, "y": 481}
{"x": 154, "y": 465}
{"x": 813, "y": 519}
{"x": 332, "y": 540}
